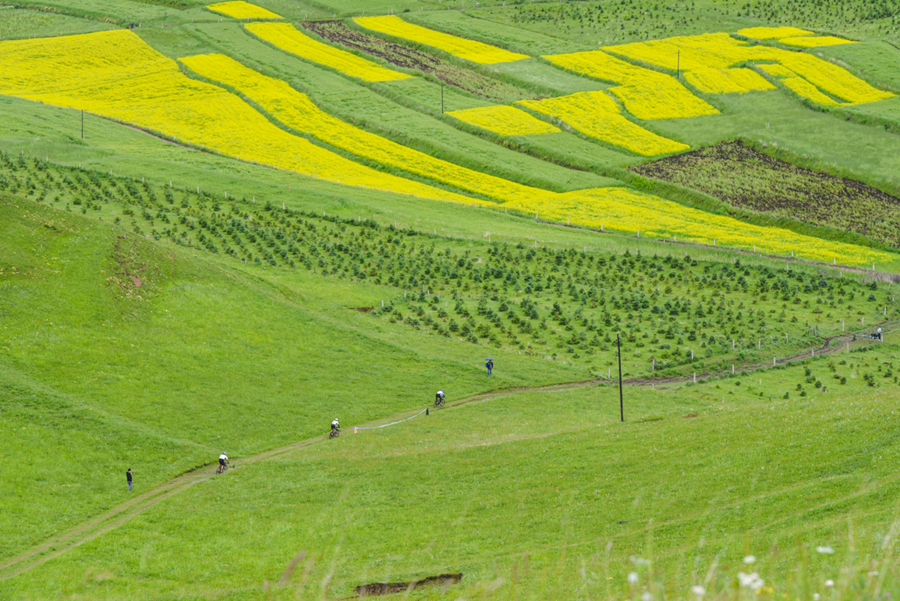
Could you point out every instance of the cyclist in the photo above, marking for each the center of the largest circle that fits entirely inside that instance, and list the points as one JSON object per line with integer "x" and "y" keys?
{"x": 439, "y": 398}
{"x": 335, "y": 428}
{"x": 223, "y": 462}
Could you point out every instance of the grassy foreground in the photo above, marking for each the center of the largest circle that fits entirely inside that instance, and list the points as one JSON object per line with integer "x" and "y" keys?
{"x": 541, "y": 495}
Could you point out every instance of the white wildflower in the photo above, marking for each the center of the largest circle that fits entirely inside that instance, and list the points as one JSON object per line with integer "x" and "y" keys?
{"x": 816, "y": 596}
{"x": 698, "y": 590}
{"x": 829, "y": 583}
{"x": 751, "y": 581}
{"x": 647, "y": 596}
{"x": 632, "y": 578}
{"x": 750, "y": 559}
{"x": 826, "y": 550}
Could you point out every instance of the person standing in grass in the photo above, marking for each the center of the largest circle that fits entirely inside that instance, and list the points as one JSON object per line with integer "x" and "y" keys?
{"x": 128, "y": 477}
{"x": 490, "y": 366}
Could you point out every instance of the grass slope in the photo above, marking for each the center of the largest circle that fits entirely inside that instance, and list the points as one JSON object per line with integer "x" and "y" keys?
{"x": 202, "y": 355}
{"x": 19, "y": 23}
{"x": 538, "y": 495}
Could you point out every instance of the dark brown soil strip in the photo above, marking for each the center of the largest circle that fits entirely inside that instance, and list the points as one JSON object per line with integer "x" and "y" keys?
{"x": 750, "y": 180}
{"x": 411, "y": 58}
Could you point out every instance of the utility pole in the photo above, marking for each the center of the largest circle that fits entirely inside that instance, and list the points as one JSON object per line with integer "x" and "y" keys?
{"x": 621, "y": 398}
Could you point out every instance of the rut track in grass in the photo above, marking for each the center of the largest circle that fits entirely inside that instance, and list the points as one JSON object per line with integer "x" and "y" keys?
{"x": 119, "y": 515}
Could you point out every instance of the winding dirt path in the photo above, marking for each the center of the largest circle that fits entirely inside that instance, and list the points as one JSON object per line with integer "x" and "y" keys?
{"x": 119, "y": 515}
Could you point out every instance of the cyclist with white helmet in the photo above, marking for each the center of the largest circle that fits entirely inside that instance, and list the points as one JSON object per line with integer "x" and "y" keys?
{"x": 223, "y": 462}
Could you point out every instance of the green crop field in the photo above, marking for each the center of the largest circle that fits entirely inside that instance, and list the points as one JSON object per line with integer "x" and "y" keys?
{"x": 188, "y": 268}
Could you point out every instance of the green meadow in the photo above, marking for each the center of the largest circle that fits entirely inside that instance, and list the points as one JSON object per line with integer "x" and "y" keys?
{"x": 162, "y": 303}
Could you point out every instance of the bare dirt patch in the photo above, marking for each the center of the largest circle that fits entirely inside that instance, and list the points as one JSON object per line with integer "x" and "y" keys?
{"x": 751, "y": 180}
{"x": 131, "y": 267}
{"x": 387, "y": 588}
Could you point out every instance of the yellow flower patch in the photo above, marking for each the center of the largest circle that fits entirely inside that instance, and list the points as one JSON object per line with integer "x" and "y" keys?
{"x": 832, "y": 79}
{"x": 116, "y": 75}
{"x": 504, "y": 120}
{"x": 596, "y": 115}
{"x": 298, "y": 112}
{"x": 779, "y": 71}
{"x": 662, "y": 99}
{"x": 709, "y": 50}
{"x": 798, "y": 85}
{"x": 727, "y": 81}
{"x": 721, "y": 51}
{"x": 469, "y": 50}
{"x": 806, "y": 90}
{"x": 242, "y": 10}
{"x": 624, "y": 210}
{"x": 645, "y": 93}
{"x": 603, "y": 66}
{"x": 773, "y": 33}
{"x": 816, "y": 42}
{"x": 286, "y": 37}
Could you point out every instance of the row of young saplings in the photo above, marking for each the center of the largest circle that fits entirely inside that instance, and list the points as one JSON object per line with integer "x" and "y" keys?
{"x": 671, "y": 310}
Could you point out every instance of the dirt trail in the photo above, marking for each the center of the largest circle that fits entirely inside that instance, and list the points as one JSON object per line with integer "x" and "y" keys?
{"x": 117, "y": 516}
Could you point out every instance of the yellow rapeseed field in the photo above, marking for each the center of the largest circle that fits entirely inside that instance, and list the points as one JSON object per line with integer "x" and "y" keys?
{"x": 242, "y": 10}
{"x": 601, "y": 65}
{"x": 298, "y": 112}
{"x": 661, "y": 99}
{"x": 773, "y": 33}
{"x": 815, "y": 42}
{"x": 596, "y": 115}
{"x": 504, "y": 120}
{"x": 832, "y": 79}
{"x": 705, "y": 51}
{"x": 779, "y": 71}
{"x": 289, "y": 39}
{"x": 469, "y": 50}
{"x": 624, "y": 210}
{"x": 806, "y": 90}
{"x": 722, "y": 51}
{"x": 645, "y": 93}
{"x": 116, "y": 75}
{"x": 798, "y": 85}
{"x": 726, "y": 81}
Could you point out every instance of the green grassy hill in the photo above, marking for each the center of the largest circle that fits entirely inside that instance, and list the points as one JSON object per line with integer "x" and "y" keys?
{"x": 160, "y": 303}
